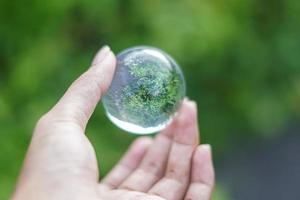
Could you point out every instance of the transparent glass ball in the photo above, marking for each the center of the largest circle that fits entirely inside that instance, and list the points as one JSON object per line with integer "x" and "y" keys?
{"x": 146, "y": 91}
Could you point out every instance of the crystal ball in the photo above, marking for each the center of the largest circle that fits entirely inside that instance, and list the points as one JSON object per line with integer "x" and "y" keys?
{"x": 146, "y": 91}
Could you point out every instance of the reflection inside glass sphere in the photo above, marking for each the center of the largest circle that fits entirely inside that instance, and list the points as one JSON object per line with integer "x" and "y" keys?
{"x": 147, "y": 89}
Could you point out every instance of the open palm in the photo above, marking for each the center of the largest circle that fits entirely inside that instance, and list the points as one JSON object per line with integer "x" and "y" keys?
{"x": 61, "y": 162}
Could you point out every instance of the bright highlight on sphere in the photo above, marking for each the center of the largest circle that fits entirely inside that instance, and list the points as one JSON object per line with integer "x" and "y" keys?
{"x": 146, "y": 91}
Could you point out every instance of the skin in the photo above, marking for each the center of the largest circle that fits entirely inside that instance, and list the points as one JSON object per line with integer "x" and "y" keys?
{"x": 61, "y": 162}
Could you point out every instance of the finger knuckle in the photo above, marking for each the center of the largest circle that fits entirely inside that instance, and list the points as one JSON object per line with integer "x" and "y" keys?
{"x": 91, "y": 82}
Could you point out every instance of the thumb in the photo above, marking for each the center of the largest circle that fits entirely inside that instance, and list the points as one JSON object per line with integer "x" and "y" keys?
{"x": 62, "y": 152}
{"x": 80, "y": 100}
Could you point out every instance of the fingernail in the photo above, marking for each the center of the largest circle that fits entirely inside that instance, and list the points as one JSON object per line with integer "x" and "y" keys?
{"x": 206, "y": 147}
{"x": 102, "y": 53}
{"x": 188, "y": 100}
{"x": 191, "y": 104}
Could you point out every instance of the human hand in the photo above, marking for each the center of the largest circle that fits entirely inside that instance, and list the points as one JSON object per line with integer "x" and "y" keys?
{"x": 61, "y": 164}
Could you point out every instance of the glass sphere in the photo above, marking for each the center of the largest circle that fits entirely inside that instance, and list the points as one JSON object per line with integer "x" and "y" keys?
{"x": 146, "y": 91}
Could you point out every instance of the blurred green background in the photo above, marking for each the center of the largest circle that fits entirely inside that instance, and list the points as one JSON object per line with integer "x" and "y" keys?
{"x": 240, "y": 59}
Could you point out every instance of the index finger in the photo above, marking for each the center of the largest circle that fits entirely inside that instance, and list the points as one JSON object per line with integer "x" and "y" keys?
{"x": 186, "y": 138}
